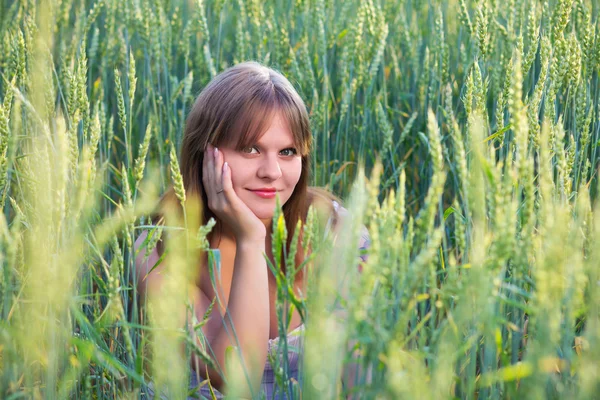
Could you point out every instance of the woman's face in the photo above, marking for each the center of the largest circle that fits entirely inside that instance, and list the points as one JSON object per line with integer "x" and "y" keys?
{"x": 271, "y": 166}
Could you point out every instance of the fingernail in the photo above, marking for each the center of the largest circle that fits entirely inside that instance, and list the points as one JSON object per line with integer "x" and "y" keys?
{"x": 216, "y": 150}
{"x": 225, "y": 166}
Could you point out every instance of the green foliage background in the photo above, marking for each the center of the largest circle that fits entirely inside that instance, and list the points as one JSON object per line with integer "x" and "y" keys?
{"x": 478, "y": 122}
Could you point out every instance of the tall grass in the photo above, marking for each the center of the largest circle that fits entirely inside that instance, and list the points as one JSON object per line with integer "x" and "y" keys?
{"x": 477, "y": 123}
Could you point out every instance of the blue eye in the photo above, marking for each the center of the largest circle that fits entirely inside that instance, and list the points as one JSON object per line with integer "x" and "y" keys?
{"x": 289, "y": 152}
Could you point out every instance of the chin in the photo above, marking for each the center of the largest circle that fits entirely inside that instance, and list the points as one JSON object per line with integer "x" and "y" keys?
{"x": 263, "y": 213}
{"x": 264, "y": 210}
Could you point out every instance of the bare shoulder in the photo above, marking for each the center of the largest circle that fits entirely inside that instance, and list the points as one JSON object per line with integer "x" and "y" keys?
{"x": 341, "y": 216}
{"x": 145, "y": 260}
{"x": 338, "y": 219}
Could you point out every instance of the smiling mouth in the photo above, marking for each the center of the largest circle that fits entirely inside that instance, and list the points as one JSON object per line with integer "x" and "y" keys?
{"x": 264, "y": 193}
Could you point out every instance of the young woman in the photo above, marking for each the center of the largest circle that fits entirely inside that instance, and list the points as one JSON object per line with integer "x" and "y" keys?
{"x": 247, "y": 139}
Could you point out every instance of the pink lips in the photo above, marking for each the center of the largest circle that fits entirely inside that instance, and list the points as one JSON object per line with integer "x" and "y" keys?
{"x": 265, "y": 193}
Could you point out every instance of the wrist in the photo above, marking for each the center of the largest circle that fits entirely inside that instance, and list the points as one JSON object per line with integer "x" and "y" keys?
{"x": 251, "y": 242}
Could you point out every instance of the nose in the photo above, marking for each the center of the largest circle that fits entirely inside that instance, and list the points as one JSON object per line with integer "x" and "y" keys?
{"x": 269, "y": 168}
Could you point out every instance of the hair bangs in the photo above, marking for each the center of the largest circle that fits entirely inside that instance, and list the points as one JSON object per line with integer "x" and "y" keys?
{"x": 250, "y": 122}
{"x": 253, "y": 120}
{"x": 297, "y": 123}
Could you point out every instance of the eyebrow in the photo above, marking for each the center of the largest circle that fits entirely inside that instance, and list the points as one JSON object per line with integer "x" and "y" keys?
{"x": 283, "y": 147}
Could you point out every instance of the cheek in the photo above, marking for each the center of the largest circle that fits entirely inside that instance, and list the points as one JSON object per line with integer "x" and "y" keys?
{"x": 238, "y": 177}
{"x": 294, "y": 170}
{"x": 237, "y": 170}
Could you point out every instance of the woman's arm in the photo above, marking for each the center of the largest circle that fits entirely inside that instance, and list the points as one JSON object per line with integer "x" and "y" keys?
{"x": 248, "y": 310}
{"x": 248, "y": 317}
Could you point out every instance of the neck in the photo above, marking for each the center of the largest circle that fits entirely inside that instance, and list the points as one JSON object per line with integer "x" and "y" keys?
{"x": 268, "y": 224}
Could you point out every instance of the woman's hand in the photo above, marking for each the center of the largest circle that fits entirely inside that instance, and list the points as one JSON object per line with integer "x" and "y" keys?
{"x": 224, "y": 202}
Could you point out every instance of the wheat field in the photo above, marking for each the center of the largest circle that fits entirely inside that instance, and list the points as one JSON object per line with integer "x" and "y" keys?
{"x": 463, "y": 134}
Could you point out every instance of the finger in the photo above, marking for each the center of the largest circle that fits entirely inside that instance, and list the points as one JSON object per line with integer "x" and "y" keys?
{"x": 210, "y": 171}
{"x": 218, "y": 169}
{"x": 227, "y": 184}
